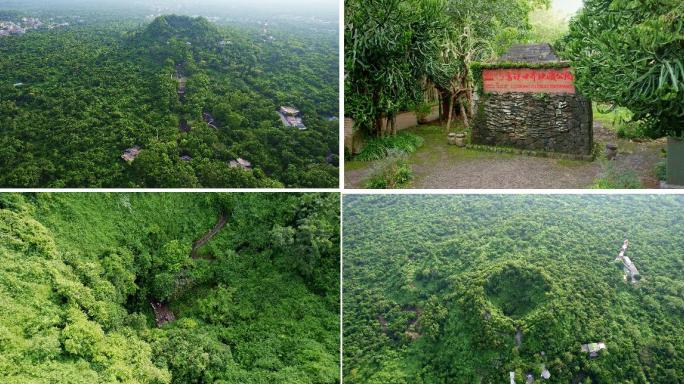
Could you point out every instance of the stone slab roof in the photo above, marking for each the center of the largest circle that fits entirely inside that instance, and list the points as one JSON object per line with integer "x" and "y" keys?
{"x": 530, "y": 53}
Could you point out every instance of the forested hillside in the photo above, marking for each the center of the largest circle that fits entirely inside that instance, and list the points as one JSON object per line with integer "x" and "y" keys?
{"x": 190, "y": 94}
{"x": 169, "y": 288}
{"x": 467, "y": 289}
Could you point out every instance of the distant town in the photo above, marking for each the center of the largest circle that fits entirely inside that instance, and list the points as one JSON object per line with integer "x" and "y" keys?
{"x": 26, "y": 24}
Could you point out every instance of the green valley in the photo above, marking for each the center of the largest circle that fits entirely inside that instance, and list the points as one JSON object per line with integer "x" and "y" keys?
{"x": 169, "y": 288}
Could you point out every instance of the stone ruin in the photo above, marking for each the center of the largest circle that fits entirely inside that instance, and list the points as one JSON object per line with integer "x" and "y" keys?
{"x": 529, "y": 102}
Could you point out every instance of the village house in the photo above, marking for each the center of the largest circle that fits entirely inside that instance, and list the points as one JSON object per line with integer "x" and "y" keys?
{"x": 131, "y": 153}
{"x": 593, "y": 349}
{"x": 546, "y": 374}
{"x": 25, "y": 24}
{"x": 291, "y": 117}
{"x": 241, "y": 163}
{"x": 9, "y": 28}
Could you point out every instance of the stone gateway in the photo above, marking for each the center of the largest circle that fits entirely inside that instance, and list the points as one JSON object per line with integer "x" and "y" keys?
{"x": 529, "y": 102}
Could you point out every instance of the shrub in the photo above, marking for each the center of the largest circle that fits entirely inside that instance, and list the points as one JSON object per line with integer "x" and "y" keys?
{"x": 377, "y": 149}
{"x": 393, "y": 172}
{"x": 423, "y": 110}
{"x": 632, "y": 129}
{"x": 613, "y": 178}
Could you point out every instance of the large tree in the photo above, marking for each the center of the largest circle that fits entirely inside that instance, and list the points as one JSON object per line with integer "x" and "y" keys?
{"x": 390, "y": 45}
{"x": 396, "y": 51}
{"x": 631, "y": 53}
{"x": 479, "y": 31}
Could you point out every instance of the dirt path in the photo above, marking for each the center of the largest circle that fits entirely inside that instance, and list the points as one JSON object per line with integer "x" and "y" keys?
{"x": 478, "y": 170}
{"x": 355, "y": 178}
{"x": 162, "y": 311}
{"x": 639, "y": 157}
{"x": 223, "y": 219}
{"x": 182, "y": 80}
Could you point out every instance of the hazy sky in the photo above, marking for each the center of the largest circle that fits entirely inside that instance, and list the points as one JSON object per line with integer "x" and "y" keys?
{"x": 567, "y": 6}
{"x": 262, "y": 4}
{"x": 291, "y": 7}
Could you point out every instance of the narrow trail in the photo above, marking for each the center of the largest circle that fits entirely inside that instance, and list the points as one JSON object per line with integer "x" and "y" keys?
{"x": 518, "y": 337}
{"x": 182, "y": 80}
{"x": 223, "y": 219}
{"x": 162, "y": 311}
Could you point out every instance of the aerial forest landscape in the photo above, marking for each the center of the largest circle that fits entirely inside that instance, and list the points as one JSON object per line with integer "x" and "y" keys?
{"x": 169, "y": 288}
{"x": 513, "y": 289}
{"x": 169, "y": 94}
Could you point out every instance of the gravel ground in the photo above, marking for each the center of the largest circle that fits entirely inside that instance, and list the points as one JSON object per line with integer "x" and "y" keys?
{"x": 440, "y": 166}
{"x": 354, "y": 179}
{"x": 499, "y": 172}
{"x": 638, "y": 157}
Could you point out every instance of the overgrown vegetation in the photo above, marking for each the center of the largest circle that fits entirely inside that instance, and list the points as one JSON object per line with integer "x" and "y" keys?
{"x": 630, "y": 54}
{"x": 399, "y": 52}
{"x": 615, "y": 178}
{"x": 80, "y": 273}
{"x": 621, "y": 121}
{"x": 391, "y": 173}
{"x": 465, "y": 289}
{"x": 376, "y": 149}
{"x": 87, "y": 92}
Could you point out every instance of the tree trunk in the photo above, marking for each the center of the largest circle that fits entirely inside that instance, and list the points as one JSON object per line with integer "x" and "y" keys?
{"x": 445, "y": 104}
{"x": 463, "y": 112}
{"x": 441, "y": 106}
{"x": 452, "y": 99}
{"x": 378, "y": 126}
{"x": 393, "y": 125}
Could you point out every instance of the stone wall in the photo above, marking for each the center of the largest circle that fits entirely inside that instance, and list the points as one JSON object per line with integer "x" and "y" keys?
{"x": 561, "y": 123}
{"x": 353, "y": 141}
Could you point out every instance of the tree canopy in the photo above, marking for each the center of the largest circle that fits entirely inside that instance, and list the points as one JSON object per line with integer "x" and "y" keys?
{"x": 631, "y": 54}
{"x": 109, "y": 82}
{"x": 464, "y": 289}
{"x": 396, "y": 51}
{"x": 86, "y": 278}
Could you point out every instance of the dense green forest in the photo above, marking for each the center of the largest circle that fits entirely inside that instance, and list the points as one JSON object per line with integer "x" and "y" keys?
{"x": 74, "y": 98}
{"x": 466, "y": 289}
{"x": 169, "y": 288}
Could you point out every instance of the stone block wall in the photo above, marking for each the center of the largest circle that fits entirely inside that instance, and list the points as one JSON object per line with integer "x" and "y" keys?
{"x": 353, "y": 141}
{"x": 561, "y": 123}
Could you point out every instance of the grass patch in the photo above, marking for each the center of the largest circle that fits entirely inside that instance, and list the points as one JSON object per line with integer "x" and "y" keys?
{"x": 391, "y": 173}
{"x": 377, "y": 149}
{"x": 613, "y": 178}
{"x": 355, "y": 165}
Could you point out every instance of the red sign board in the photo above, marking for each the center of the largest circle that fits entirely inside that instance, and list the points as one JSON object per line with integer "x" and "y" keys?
{"x": 539, "y": 80}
